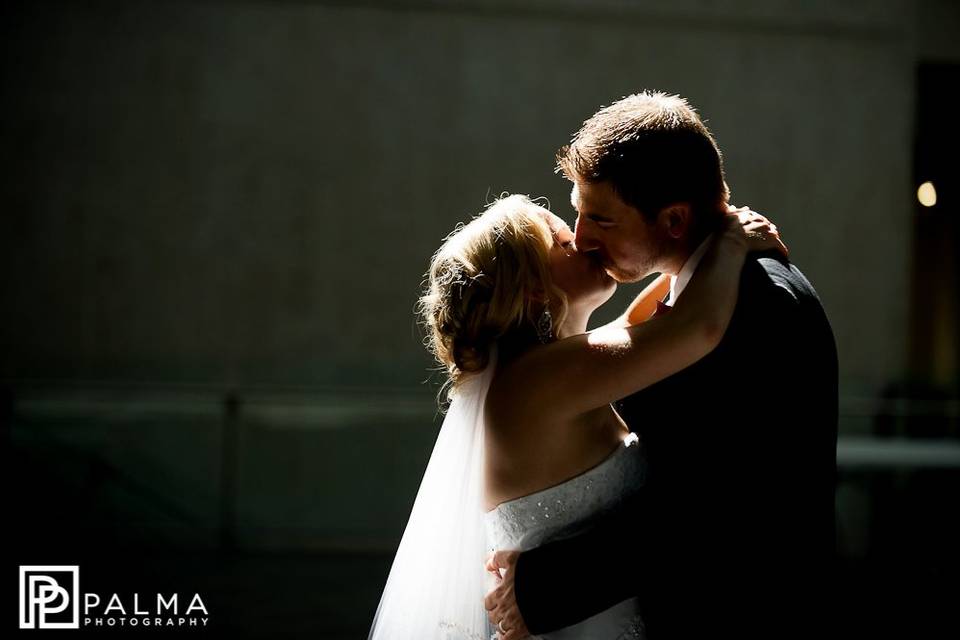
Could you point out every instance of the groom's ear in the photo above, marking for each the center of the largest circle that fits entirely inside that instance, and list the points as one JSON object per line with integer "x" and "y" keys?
{"x": 675, "y": 220}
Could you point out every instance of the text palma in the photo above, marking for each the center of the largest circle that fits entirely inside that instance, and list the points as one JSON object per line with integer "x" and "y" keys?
{"x": 164, "y": 606}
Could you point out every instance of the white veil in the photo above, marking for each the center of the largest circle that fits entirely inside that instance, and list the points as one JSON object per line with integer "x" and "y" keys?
{"x": 437, "y": 582}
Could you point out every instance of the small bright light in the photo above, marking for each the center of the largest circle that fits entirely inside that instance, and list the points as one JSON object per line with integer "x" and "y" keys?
{"x": 927, "y": 195}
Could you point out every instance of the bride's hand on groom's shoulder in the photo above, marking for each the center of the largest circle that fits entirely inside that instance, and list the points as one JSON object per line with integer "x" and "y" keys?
{"x": 501, "y": 601}
{"x": 756, "y": 231}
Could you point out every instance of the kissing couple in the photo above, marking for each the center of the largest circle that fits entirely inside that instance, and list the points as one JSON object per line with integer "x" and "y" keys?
{"x": 667, "y": 475}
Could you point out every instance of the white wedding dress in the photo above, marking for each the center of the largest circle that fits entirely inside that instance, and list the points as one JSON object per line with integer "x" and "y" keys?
{"x": 436, "y": 586}
{"x": 569, "y": 508}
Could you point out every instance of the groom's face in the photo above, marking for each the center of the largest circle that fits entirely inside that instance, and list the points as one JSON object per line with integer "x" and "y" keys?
{"x": 616, "y": 233}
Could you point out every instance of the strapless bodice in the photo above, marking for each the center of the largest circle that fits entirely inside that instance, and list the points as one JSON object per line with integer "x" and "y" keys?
{"x": 569, "y": 508}
{"x": 563, "y": 509}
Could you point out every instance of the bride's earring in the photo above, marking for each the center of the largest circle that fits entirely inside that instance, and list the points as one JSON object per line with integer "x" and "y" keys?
{"x": 545, "y": 327}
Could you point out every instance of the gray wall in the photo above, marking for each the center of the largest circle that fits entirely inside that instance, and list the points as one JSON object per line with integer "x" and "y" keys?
{"x": 214, "y": 196}
{"x": 250, "y": 191}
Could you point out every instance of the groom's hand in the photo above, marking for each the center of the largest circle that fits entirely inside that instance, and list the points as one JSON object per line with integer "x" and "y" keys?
{"x": 501, "y": 602}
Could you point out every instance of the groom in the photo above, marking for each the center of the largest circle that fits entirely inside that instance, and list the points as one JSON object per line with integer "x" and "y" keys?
{"x": 733, "y": 533}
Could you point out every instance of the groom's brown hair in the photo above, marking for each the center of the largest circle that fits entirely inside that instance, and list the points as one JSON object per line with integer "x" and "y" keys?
{"x": 655, "y": 151}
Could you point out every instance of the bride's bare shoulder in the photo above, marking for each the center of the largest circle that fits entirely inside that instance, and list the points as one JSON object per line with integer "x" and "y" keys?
{"x": 503, "y": 399}
{"x": 513, "y": 397}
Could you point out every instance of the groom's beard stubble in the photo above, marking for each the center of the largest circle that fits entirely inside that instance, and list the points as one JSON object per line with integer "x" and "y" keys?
{"x": 619, "y": 274}
{"x": 631, "y": 275}
{"x": 623, "y": 277}
{"x": 660, "y": 260}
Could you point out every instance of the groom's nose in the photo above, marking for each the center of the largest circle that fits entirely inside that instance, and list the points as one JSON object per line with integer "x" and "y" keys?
{"x": 583, "y": 239}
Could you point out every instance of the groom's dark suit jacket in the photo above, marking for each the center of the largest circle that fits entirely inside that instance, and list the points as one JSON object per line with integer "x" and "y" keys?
{"x": 733, "y": 532}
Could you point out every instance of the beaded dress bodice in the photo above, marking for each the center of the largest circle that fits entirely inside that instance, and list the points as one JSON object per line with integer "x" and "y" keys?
{"x": 569, "y": 508}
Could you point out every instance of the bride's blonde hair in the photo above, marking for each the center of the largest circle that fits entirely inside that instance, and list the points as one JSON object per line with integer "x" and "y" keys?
{"x": 490, "y": 280}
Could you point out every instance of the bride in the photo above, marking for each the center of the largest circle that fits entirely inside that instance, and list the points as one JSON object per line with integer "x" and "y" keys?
{"x": 530, "y": 449}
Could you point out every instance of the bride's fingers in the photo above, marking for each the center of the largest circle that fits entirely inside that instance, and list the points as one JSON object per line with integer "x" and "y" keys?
{"x": 783, "y": 248}
{"x": 760, "y": 225}
{"x": 778, "y": 244}
{"x": 516, "y": 630}
{"x": 509, "y": 635}
{"x": 492, "y": 600}
{"x": 506, "y": 560}
{"x": 749, "y": 215}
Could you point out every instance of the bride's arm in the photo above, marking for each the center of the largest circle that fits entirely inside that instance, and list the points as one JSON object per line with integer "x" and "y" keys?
{"x": 643, "y": 306}
{"x": 582, "y": 372}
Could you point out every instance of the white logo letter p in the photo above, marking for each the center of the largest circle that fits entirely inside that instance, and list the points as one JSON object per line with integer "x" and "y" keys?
{"x": 42, "y": 596}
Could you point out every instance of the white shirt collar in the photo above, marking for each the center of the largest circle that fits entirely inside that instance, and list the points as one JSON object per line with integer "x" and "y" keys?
{"x": 679, "y": 281}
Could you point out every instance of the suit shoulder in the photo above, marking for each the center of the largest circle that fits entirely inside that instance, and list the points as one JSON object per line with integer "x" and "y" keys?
{"x": 770, "y": 273}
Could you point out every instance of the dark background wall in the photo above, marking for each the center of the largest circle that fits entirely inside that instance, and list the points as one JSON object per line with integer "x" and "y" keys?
{"x": 216, "y": 216}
